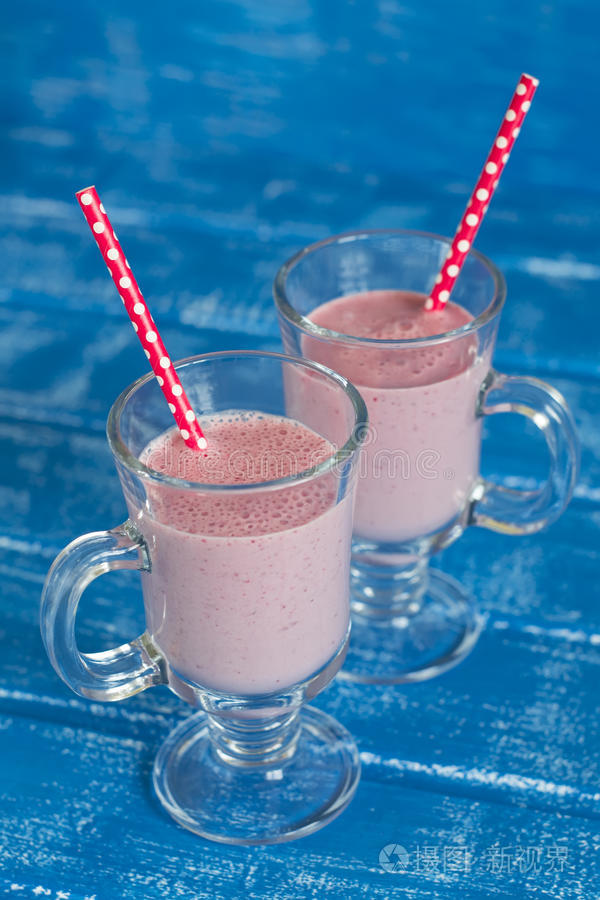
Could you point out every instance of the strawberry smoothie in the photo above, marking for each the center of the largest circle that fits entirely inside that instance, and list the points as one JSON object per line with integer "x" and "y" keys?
{"x": 249, "y": 588}
{"x": 421, "y": 458}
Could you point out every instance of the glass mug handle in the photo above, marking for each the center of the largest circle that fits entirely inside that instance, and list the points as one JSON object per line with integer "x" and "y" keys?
{"x": 111, "y": 674}
{"x": 522, "y": 511}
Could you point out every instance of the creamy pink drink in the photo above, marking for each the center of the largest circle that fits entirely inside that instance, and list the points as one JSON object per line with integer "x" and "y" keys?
{"x": 421, "y": 458}
{"x": 249, "y": 589}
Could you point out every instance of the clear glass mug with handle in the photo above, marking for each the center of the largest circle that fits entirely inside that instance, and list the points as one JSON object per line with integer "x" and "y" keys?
{"x": 419, "y": 481}
{"x": 246, "y": 594}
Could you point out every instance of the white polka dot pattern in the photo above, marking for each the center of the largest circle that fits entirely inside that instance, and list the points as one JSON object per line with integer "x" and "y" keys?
{"x": 142, "y": 321}
{"x": 483, "y": 191}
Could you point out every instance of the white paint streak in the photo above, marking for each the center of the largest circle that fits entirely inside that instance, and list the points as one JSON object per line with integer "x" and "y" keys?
{"x": 31, "y": 548}
{"x": 559, "y": 268}
{"x": 176, "y": 73}
{"x": 47, "y": 137}
{"x": 573, "y": 636}
{"x": 477, "y": 777}
{"x": 277, "y": 187}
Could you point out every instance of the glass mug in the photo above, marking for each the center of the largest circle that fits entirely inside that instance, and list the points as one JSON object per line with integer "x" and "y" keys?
{"x": 419, "y": 482}
{"x": 246, "y": 626}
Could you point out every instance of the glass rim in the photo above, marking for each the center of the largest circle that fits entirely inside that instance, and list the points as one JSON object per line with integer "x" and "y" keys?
{"x": 303, "y": 323}
{"x": 123, "y": 454}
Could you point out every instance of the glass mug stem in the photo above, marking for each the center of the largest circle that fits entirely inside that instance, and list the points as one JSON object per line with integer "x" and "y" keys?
{"x": 267, "y": 742}
{"x": 384, "y": 592}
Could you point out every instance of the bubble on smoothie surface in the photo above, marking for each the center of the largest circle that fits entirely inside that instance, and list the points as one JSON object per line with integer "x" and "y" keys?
{"x": 243, "y": 448}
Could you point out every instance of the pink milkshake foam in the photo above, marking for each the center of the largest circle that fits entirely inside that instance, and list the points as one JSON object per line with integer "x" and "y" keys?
{"x": 245, "y": 448}
{"x": 392, "y": 316}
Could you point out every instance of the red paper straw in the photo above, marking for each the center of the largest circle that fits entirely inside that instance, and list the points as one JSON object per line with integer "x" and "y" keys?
{"x": 142, "y": 321}
{"x": 485, "y": 187}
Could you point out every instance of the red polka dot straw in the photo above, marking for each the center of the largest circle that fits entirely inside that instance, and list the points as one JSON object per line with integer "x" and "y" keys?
{"x": 484, "y": 188}
{"x": 142, "y": 321}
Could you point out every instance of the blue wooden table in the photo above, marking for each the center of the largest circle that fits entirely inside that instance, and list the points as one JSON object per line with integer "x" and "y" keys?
{"x": 222, "y": 136}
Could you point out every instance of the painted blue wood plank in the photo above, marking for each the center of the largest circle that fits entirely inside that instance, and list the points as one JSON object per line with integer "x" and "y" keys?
{"x": 214, "y": 194}
{"x": 78, "y": 815}
{"x": 69, "y": 367}
{"x": 241, "y": 77}
{"x": 220, "y": 275}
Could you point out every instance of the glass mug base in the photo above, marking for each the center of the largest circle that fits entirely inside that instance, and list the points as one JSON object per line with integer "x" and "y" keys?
{"x": 231, "y": 802}
{"x": 419, "y": 642}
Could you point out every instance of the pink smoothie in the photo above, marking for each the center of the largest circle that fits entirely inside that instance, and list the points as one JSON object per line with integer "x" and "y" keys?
{"x": 249, "y": 590}
{"x": 421, "y": 458}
